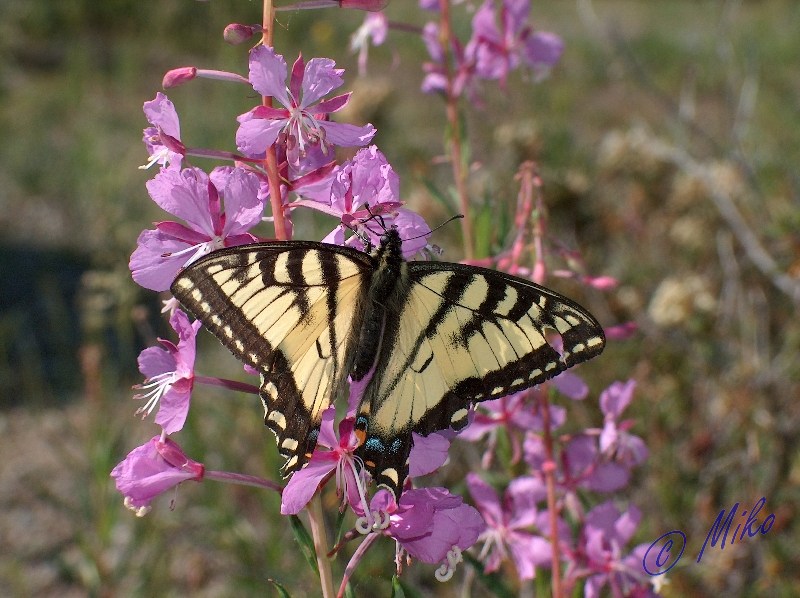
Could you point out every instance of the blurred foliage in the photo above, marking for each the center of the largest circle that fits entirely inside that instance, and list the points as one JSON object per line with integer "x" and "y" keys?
{"x": 715, "y": 359}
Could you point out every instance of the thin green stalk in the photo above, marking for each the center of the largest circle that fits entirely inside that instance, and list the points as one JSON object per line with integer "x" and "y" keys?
{"x": 317, "y": 524}
{"x": 451, "y": 109}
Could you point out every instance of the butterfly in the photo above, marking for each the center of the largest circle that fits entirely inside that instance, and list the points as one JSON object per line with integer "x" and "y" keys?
{"x": 422, "y": 340}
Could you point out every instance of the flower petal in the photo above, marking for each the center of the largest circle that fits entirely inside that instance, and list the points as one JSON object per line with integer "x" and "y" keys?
{"x": 268, "y": 74}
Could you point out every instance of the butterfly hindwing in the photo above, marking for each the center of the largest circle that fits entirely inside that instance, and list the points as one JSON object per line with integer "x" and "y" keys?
{"x": 289, "y": 311}
{"x": 462, "y": 335}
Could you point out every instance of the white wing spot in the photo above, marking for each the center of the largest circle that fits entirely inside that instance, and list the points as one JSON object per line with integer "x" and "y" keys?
{"x": 535, "y": 373}
{"x": 269, "y": 387}
{"x": 572, "y": 319}
{"x": 594, "y": 341}
{"x": 517, "y": 382}
{"x": 550, "y": 366}
{"x": 561, "y": 325}
{"x": 214, "y": 268}
{"x": 289, "y": 444}
{"x": 497, "y": 390}
{"x": 291, "y": 462}
{"x": 216, "y": 320}
{"x": 227, "y": 331}
{"x": 390, "y": 473}
{"x": 578, "y": 348}
{"x": 459, "y": 416}
{"x": 278, "y": 418}
{"x": 239, "y": 345}
{"x": 205, "y": 306}
{"x": 542, "y": 301}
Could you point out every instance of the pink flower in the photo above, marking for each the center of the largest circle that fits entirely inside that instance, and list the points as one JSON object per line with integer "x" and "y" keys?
{"x": 169, "y": 375}
{"x": 302, "y": 121}
{"x": 462, "y": 69}
{"x": 605, "y": 534}
{"x": 615, "y": 441}
{"x": 508, "y": 524}
{"x": 196, "y": 197}
{"x": 329, "y": 455}
{"x": 363, "y": 189}
{"x": 373, "y": 30}
{"x": 163, "y": 139}
{"x": 497, "y": 50}
{"x": 152, "y": 469}
{"x": 430, "y": 524}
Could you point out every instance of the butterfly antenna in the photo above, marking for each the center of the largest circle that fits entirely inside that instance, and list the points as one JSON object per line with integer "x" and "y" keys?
{"x": 433, "y": 230}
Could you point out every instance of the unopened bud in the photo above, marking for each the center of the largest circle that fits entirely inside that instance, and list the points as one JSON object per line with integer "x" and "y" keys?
{"x": 178, "y": 76}
{"x": 236, "y": 33}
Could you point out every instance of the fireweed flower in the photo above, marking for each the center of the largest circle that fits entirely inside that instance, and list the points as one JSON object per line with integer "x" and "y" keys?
{"x": 497, "y": 50}
{"x": 606, "y": 532}
{"x": 197, "y": 198}
{"x": 303, "y": 119}
{"x": 152, "y": 469}
{"x": 362, "y": 189}
{"x": 331, "y": 454}
{"x": 508, "y": 524}
{"x": 615, "y": 441}
{"x": 517, "y": 415}
{"x": 169, "y": 375}
{"x": 435, "y": 80}
{"x": 428, "y": 524}
{"x": 373, "y": 30}
{"x": 163, "y": 139}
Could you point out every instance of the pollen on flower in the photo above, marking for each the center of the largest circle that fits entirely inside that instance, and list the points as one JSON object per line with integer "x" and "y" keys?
{"x": 139, "y": 511}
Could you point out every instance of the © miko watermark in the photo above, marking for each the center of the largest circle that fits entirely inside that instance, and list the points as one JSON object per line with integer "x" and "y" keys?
{"x": 664, "y": 558}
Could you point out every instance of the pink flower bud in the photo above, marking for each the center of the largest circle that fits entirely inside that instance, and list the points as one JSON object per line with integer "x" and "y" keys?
{"x": 236, "y": 33}
{"x": 173, "y": 454}
{"x": 178, "y": 76}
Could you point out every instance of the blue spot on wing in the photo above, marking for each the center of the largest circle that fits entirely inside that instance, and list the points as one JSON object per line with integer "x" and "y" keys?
{"x": 374, "y": 444}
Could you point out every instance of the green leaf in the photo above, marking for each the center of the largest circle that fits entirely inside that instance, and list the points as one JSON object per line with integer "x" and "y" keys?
{"x": 305, "y": 542}
{"x": 492, "y": 581}
{"x": 401, "y": 589}
{"x": 340, "y": 519}
{"x": 448, "y": 201}
{"x": 282, "y": 592}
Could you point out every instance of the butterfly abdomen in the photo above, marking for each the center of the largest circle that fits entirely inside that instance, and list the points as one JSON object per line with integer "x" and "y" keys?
{"x": 387, "y": 292}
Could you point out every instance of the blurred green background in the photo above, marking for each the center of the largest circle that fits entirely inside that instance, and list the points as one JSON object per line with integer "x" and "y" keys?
{"x": 660, "y": 117}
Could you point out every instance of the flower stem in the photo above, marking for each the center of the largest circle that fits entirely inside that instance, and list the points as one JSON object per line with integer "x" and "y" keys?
{"x": 549, "y": 469}
{"x": 229, "y": 384}
{"x": 271, "y": 161}
{"x": 317, "y": 525}
{"x": 242, "y": 479}
{"x": 451, "y": 108}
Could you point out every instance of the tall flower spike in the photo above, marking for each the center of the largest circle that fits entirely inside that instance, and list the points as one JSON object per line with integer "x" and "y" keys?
{"x": 303, "y": 119}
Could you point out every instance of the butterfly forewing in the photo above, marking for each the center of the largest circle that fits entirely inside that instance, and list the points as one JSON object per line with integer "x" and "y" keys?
{"x": 463, "y": 335}
{"x": 289, "y": 311}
